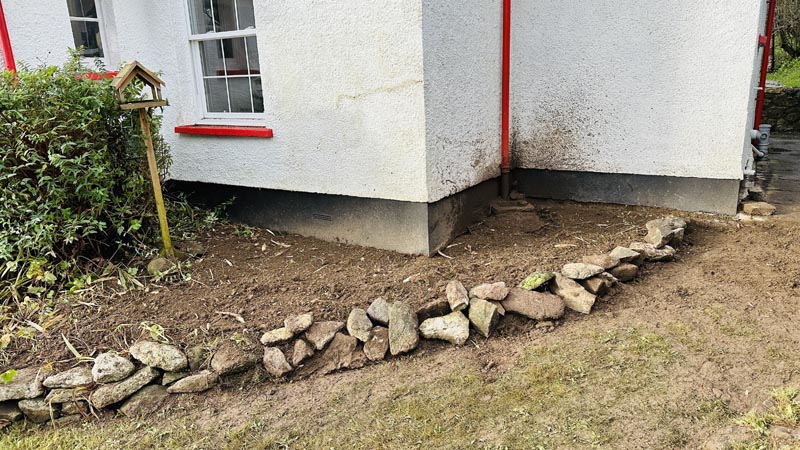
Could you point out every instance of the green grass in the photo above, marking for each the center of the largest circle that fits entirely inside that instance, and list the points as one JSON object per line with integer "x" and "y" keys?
{"x": 788, "y": 74}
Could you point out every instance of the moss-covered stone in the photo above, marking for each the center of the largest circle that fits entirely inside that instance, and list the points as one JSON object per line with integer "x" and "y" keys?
{"x": 536, "y": 280}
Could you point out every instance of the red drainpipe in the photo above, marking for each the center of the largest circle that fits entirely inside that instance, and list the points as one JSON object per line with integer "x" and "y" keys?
{"x": 5, "y": 42}
{"x": 505, "y": 165}
{"x": 766, "y": 41}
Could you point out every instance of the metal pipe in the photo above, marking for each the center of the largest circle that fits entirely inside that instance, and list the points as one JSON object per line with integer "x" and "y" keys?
{"x": 5, "y": 42}
{"x": 505, "y": 164}
{"x": 766, "y": 42}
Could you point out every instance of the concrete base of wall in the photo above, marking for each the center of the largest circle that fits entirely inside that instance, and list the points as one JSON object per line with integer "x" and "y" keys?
{"x": 406, "y": 227}
{"x": 688, "y": 194}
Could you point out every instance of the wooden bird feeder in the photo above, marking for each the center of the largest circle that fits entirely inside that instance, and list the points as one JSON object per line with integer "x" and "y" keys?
{"x": 124, "y": 78}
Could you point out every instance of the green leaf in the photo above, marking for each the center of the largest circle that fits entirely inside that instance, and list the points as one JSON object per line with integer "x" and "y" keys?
{"x": 8, "y": 376}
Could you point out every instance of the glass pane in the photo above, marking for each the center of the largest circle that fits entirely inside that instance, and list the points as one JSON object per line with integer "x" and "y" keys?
{"x": 240, "y": 94}
{"x": 211, "y": 58}
{"x": 247, "y": 17}
{"x": 235, "y": 56}
{"x": 225, "y": 15}
{"x": 82, "y": 8}
{"x": 200, "y": 15}
{"x": 216, "y": 95}
{"x": 258, "y": 96}
{"x": 87, "y": 35}
{"x": 252, "y": 55}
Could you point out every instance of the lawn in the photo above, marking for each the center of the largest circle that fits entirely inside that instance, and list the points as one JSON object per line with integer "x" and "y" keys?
{"x": 788, "y": 74}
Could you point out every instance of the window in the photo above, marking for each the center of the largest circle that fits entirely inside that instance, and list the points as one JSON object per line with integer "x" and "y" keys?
{"x": 86, "y": 27}
{"x": 223, "y": 37}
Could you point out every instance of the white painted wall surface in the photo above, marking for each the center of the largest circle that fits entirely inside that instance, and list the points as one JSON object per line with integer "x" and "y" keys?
{"x": 625, "y": 86}
{"x": 39, "y": 30}
{"x": 462, "y": 41}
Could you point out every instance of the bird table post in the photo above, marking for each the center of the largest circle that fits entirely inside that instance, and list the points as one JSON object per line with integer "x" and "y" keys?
{"x": 128, "y": 74}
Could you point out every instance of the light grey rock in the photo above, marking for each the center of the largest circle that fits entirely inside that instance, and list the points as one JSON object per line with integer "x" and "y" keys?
{"x": 457, "y": 296}
{"x": 604, "y": 261}
{"x": 197, "y": 356}
{"x": 27, "y": 383}
{"x": 378, "y": 311}
{"x": 575, "y": 296}
{"x": 625, "y": 272}
{"x": 199, "y": 382}
{"x": 159, "y": 266}
{"x": 667, "y": 230}
{"x": 145, "y": 402}
{"x": 434, "y": 308}
{"x": 626, "y": 255}
{"x": 359, "y": 325}
{"x": 403, "y": 324}
{"x": 339, "y": 354}
{"x": 534, "y": 305}
{"x": 75, "y": 377}
{"x": 298, "y": 324}
{"x": 161, "y": 356}
{"x": 67, "y": 395}
{"x": 453, "y": 328}
{"x": 490, "y": 291}
{"x": 171, "y": 377}
{"x": 275, "y": 362}
{"x": 483, "y": 315}
{"x": 116, "y": 392}
{"x": 653, "y": 254}
{"x": 234, "y": 357}
{"x": 378, "y": 344}
{"x": 110, "y": 367}
{"x": 321, "y": 333}
{"x": 37, "y": 410}
{"x": 277, "y": 336}
{"x": 302, "y": 351}
{"x": 9, "y": 411}
{"x": 80, "y": 407}
{"x": 580, "y": 271}
{"x": 598, "y": 285}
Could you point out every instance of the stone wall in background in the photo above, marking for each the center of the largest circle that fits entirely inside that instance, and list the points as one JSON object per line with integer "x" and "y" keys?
{"x": 782, "y": 109}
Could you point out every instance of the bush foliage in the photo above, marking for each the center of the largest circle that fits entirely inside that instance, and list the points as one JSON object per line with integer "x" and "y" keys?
{"x": 72, "y": 180}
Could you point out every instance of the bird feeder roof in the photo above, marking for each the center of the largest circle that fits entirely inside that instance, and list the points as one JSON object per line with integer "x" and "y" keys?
{"x": 130, "y": 71}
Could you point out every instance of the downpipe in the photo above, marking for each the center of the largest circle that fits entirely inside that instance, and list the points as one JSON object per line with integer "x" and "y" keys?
{"x": 505, "y": 164}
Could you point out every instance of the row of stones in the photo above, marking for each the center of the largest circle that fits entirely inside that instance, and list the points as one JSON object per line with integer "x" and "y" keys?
{"x": 394, "y": 328}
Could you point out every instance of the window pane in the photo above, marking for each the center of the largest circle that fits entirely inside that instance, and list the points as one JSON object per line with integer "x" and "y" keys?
{"x": 252, "y": 55}
{"x": 82, "y": 8}
{"x": 87, "y": 35}
{"x": 200, "y": 15}
{"x": 240, "y": 94}
{"x": 216, "y": 95}
{"x": 247, "y": 17}
{"x": 211, "y": 58}
{"x": 235, "y": 56}
{"x": 225, "y": 15}
{"x": 258, "y": 96}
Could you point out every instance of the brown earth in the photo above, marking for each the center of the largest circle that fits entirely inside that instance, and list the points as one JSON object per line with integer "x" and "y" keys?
{"x": 703, "y": 339}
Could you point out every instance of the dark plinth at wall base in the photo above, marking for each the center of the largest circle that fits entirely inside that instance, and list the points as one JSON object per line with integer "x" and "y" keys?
{"x": 405, "y": 227}
{"x": 687, "y": 194}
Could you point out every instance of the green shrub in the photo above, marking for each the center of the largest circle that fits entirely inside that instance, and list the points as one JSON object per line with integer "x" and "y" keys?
{"x": 73, "y": 186}
{"x": 788, "y": 74}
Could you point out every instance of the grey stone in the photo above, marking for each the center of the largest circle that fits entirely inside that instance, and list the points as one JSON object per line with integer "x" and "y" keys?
{"x": 298, "y": 324}
{"x": 626, "y": 255}
{"x": 161, "y": 356}
{"x": 536, "y": 280}
{"x": 116, "y": 392}
{"x": 9, "y": 411}
{"x": 199, "y": 382}
{"x": 75, "y": 377}
{"x": 145, "y": 402}
{"x": 302, "y": 351}
{"x": 234, "y": 357}
{"x": 653, "y": 254}
{"x": 625, "y": 272}
{"x": 604, "y": 261}
{"x": 171, "y": 377}
{"x": 667, "y": 230}
{"x": 378, "y": 311}
{"x": 534, "y": 305}
{"x": 110, "y": 367}
{"x": 453, "y": 328}
{"x": 457, "y": 296}
{"x": 197, "y": 356}
{"x": 434, "y": 308}
{"x": 500, "y": 309}
{"x": 80, "y": 407}
{"x": 403, "y": 324}
{"x": 159, "y": 266}
{"x": 275, "y": 362}
{"x": 598, "y": 285}
{"x": 37, "y": 410}
{"x": 321, "y": 333}
{"x": 581, "y": 271}
{"x": 575, "y": 296}
{"x": 339, "y": 354}
{"x": 378, "y": 344}
{"x": 483, "y": 315}
{"x": 277, "y": 336}
{"x": 758, "y": 209}
{"x": 27, "y": 383}
{"x": 359, "y": 325}
{"x": 67, "y": 395}
{"x": 490, "y": 291}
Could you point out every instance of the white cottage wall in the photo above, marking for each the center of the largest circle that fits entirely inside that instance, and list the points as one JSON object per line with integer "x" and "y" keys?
{"x": 40, "y": 31}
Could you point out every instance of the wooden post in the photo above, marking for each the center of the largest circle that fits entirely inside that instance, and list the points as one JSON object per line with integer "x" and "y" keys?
{"x": 144, "y": 120}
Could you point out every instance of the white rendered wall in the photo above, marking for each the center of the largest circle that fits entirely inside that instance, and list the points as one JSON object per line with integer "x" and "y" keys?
{"x": 625, "y": 86}
{"x": 39, "y": 31}
{"x": 462, "y": 41}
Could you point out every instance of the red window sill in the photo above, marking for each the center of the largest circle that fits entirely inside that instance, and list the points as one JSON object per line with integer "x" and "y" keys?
{"x": 220, "y": 130}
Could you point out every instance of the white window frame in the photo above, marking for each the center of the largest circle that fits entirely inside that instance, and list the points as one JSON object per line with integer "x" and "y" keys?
{"x": 100, "y": 20}
{"x": 217, "y": 118}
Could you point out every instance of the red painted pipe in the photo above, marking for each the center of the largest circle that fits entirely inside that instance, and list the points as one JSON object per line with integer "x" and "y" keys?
{"x": 505, "y": 164}
{"x": 5, "y": 42}
{"x": 767, "y": 42}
